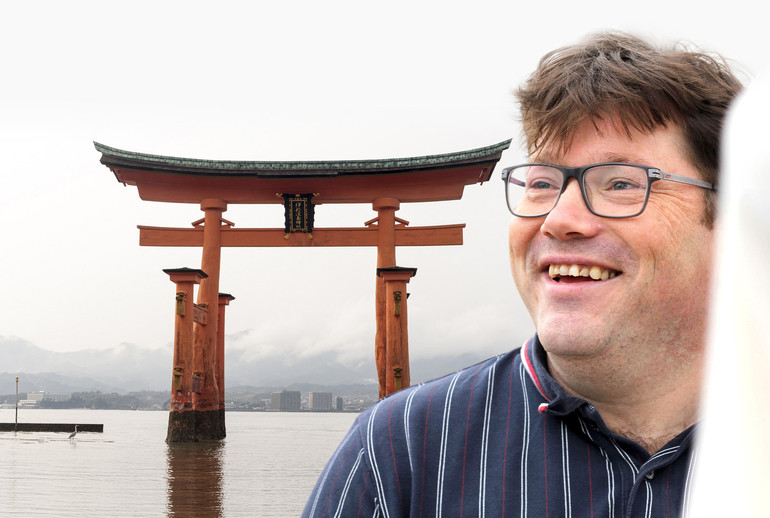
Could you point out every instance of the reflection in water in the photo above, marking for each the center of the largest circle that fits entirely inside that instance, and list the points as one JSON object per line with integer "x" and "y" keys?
{"x": 266, "y": 467}
{"x": 194, "y": 474}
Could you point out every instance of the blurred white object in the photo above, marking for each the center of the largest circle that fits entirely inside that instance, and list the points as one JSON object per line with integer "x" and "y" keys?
{"x": 732, "y": 466}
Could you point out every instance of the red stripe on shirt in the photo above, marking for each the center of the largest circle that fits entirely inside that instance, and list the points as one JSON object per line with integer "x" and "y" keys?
{"x": 590, "y": 481}
{"x": 393, "y": 453}
{"x": 425, "y": 448}
{"x": 465, "y": 447}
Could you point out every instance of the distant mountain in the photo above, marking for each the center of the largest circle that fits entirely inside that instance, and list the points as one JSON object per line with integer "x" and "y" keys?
{"x": 128, "y": 368}
{"x": 52, "y": 383}
{"x": 124, "y": 368}
{"x": 279, "y": 370}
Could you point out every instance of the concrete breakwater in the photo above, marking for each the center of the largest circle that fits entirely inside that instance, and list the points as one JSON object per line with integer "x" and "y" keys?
{"x": 51, "y": 427}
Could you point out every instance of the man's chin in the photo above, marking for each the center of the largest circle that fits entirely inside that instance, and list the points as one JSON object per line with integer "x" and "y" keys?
{"x": 571, "y": 341}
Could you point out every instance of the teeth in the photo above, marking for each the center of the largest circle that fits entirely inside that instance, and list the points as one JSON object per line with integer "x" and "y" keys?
{"x": 577, "y": 270}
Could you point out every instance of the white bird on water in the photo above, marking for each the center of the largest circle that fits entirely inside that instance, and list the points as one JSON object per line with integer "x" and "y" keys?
{"x": 73, "y": 434}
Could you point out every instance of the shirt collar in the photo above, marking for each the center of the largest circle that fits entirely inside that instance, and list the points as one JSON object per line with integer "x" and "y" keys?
{"x": 558, "y": 402}
{"x": 535, "y": 362}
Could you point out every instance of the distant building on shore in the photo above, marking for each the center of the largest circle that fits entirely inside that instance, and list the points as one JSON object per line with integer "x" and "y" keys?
{"x": 286, "y": 401}
{"x": 320, "y": 401}
{"x": 34, "y": 398}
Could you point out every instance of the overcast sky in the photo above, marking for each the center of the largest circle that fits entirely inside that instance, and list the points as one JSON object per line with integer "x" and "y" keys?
{"x": 314, "y": 80}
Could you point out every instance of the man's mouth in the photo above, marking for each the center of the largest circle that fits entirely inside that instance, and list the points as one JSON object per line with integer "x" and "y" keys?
{"x": 559, "y": 272}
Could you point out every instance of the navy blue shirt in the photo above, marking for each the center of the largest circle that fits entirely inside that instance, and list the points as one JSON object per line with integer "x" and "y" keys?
{"x": 500, "y": 438}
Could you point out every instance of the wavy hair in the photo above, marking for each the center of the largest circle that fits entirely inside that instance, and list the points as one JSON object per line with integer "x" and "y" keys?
{"x": 619, "y": 75}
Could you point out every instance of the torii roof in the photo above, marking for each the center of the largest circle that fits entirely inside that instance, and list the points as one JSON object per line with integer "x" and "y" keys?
{"x": 412, "y": 179}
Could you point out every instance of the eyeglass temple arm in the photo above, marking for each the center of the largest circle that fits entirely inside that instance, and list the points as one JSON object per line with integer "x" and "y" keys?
{"x": 507, "y": 177}
{"x": 660, "y": 175}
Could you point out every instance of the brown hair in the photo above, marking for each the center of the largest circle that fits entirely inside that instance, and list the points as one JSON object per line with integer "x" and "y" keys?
{"x": 618, "y": 74}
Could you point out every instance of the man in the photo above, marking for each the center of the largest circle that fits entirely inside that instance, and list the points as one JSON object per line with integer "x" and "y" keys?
{"x": 594, "y": 415}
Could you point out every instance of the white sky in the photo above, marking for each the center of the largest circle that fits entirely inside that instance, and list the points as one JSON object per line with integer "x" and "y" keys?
{"x": 292, "y": 80}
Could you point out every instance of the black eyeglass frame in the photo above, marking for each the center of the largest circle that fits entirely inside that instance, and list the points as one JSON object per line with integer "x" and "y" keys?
{"x": 653, "y": 174}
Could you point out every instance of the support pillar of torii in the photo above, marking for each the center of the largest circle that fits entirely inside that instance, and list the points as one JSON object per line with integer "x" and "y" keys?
{"x": 193, "y": 417}
{"x": 213, "y": 184}
{"x": 181, "y": 419}
{"x": 208, "y": 421}
{"x": 394, "y": 328}
{"x": 386, "y": 258}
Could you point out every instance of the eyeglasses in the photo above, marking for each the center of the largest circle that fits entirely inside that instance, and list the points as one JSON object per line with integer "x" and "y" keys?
{"x": 610, "y": 190}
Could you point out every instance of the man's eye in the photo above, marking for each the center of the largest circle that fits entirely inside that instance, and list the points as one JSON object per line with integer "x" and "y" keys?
{"x": 623, "y": 185}
{"x": 620, "y": 185}
{"x": 541, "y": 184}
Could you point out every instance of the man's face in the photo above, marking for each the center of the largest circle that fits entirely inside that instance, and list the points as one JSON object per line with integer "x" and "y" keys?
{"x": 658, "y": 263}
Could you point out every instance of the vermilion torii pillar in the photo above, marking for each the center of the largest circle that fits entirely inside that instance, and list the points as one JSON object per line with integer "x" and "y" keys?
{"x": 386, "y": 257}
{"x": 224, "y": 301}
{"x": 395, "y": 326}
{"x": 181, "y": 418}
{"x": 300, "y": 186}
{"x": 206, "y": 401}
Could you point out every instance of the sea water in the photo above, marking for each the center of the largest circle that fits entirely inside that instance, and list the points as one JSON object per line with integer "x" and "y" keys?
{"x": 266, "y": 467}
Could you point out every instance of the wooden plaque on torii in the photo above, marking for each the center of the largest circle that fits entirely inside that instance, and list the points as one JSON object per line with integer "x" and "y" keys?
{"x": 198, "y": 382}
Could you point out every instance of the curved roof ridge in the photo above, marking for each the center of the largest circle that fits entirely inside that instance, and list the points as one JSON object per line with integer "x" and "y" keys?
{"x": 277, "y": 165}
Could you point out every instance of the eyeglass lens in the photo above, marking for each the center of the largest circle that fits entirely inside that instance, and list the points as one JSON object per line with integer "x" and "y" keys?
{"x": 609, "y": 190}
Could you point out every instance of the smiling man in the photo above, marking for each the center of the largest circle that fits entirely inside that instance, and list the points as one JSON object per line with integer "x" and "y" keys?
{"x": 619, "y": 303}
{"x": 610, "y": 246}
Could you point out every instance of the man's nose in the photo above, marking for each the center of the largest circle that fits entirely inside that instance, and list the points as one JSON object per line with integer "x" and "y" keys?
{"x": 570, "y": 218}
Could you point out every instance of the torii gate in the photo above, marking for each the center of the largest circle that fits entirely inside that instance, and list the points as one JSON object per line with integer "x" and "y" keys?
{"x": 197, "y": 393}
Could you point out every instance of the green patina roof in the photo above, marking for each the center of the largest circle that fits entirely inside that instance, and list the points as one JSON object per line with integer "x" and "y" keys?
{"x": 119, "y": 157}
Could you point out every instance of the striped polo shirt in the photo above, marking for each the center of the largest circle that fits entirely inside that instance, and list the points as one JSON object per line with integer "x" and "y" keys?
{"x": 500, "y": 438}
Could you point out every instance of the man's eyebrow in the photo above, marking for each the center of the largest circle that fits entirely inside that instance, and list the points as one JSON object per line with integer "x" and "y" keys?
{"x": 617, "y": 157}
{"x": 545, "y": 157}
{"x": 612, "y": 156}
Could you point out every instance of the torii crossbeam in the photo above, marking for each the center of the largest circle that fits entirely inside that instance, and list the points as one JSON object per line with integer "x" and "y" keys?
{"x": 197, "y": 396}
